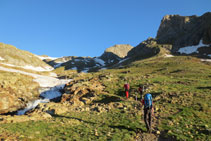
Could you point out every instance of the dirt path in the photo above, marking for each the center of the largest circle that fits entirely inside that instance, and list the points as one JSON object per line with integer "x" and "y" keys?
{"x": 154, "y": 136}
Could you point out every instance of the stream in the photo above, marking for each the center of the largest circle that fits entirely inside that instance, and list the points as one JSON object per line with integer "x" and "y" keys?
{"x": 50, "y": 87}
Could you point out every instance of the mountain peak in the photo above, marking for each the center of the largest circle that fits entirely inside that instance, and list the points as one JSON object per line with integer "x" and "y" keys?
{"x": 120, "y": 50}
{"x": 181, "y": 31}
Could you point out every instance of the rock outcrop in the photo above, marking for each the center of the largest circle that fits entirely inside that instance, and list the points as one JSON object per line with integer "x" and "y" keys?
{"x": 145, "y": 49}
{"x": 182, "y": 31}
{"x": 115, "y": 53}
{"x": 16, "y": 91}
{"x": 80, "y": 92}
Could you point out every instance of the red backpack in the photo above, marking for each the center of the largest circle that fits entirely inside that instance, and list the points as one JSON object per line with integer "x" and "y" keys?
{"x": 127, "y": 86}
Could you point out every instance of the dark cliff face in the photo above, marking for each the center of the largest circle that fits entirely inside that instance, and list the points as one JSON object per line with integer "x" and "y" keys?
{"x": 145, "y": 49}
{"x": 181, "y": 31}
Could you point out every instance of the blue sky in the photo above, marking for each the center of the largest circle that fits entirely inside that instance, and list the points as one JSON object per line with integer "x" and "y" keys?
{"x": 86, "y": 27}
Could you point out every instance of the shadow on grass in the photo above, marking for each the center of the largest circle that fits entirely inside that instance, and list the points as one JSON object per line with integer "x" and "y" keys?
{"x": 202, "y": 88}
{"x": 109, "y": 99}
{"x": 126, "y": 128}
{"x": 120, "y": 127}
{"x": 60, "y": 116}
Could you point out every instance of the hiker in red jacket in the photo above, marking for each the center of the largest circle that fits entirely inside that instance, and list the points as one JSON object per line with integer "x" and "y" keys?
{"x": 141, "y": 90}
{"x": 127, "y": 87}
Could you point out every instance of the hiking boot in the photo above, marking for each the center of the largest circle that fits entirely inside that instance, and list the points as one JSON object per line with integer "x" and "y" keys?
{"x": 150, "y": 131}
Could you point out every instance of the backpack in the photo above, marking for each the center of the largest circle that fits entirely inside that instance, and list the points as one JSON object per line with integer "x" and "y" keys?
{"x": 127, "y": 86}
{"x": 148, "y": 100}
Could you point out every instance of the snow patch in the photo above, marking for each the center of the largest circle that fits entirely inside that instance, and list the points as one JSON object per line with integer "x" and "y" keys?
{"x": 53, "y": 74}
{"x": 32, "y": 105}
{"x": 74, "y": 68}
{"x": 168, "y": 55}
{"x": 44, "y": 81}
{"x": 206, "y": 60}
{"x": 31, "y": 67}
{"x": 38, "y": 68}
{"x": 103, "y": 68}
{"x": 99, "y": 61}
{"x": 50, "y": 58}
{"x": 85, "y": 70}
{"x": 77, "y": 60}
{"x": 123, "y": 60}
{"x": 57, "y": 65}
{"x": 192, "y": 49}
{"x": 53, "y": 92}
{"x": 1, "y": 59}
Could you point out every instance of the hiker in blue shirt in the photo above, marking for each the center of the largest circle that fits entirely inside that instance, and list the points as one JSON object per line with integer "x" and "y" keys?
{"x": 147, "y": 102}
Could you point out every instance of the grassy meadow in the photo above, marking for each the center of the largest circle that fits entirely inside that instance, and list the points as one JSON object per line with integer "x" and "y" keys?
{"x": 181, "y": 90}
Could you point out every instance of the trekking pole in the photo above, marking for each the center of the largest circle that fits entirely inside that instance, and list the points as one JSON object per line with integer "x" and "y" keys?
{"x": 136, "y": 96}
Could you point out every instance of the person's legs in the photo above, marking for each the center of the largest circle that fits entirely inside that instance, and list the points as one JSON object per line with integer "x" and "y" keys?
{"x": 127, "y": 94}
{"x": 150, "y": 119}
{"x": 145, "y": 118}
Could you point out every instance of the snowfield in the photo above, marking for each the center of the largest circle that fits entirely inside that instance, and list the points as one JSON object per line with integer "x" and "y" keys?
{"x": 44, "y": 81}
{"x": 50, "y": 58}
{"x": 192, "y": 49}
{"x": 31, "y": 67}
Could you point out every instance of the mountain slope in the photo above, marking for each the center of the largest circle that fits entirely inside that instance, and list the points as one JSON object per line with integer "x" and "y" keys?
{"x": 95, "y": 105}
{"x": 11, "y": 56}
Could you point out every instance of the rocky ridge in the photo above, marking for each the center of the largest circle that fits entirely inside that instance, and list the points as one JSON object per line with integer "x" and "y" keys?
{"x": 182, "y": 31}
{"x": 111, "y": 56}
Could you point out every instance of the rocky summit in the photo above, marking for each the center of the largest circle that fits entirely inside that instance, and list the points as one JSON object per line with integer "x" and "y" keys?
{"x": 182, "y": 31}
{"x": 115, "y": 53}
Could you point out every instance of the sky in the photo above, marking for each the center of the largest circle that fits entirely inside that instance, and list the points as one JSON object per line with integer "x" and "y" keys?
{"x": 86, "y": 27}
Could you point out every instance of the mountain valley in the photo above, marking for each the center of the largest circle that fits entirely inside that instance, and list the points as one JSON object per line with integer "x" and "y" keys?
{"x": 82, "y": 98}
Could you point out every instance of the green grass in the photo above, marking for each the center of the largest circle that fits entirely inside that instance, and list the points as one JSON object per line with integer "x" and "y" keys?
{"x": 80, "y": 126}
